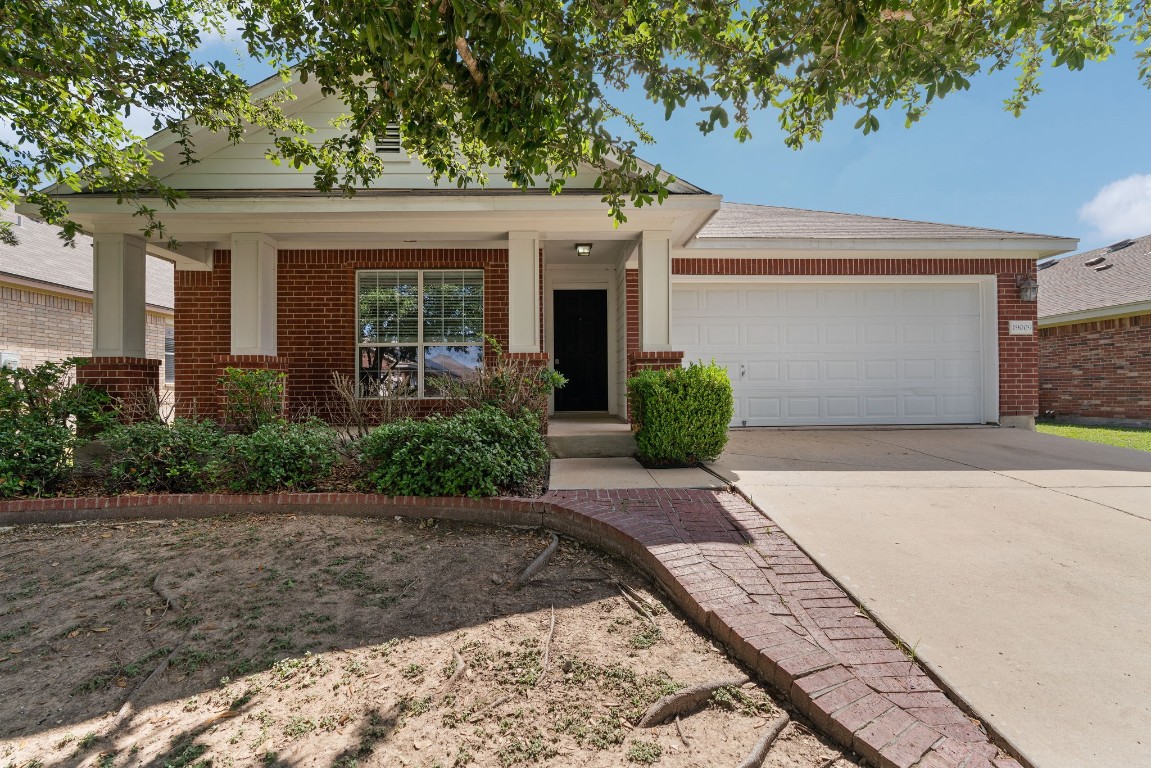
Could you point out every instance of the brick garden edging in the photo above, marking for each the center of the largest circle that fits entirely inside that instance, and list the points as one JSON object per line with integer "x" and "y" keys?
{"x": 723, "y": 562}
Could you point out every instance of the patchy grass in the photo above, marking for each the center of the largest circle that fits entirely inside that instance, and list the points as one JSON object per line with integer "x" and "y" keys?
{"x": 330, "y": 643}
{"x": 1122, "y": 437}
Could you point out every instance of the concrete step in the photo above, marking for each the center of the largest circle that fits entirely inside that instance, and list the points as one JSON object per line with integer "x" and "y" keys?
{"x": 592, "y": 446}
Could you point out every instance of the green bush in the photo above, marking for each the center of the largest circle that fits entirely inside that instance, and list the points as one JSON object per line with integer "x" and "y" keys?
{"x": 681, "y": 415}
{"x": 181, "y": 457}
{"x": 252, "y": 398}
{"x": 39, "y": 408}
{"x": 476, "y": 452}
{"x": 510, "y": 384}
{"x": 280, "y": 456}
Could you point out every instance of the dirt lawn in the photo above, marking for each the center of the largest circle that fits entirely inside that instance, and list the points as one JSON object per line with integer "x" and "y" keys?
{"x": 316, "y": 641}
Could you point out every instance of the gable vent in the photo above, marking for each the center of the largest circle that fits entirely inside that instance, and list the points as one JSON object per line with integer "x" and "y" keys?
{"x": 388, "y": 143}
{"x": 1094, "y": 261}
{"x": 1119, "y": 245}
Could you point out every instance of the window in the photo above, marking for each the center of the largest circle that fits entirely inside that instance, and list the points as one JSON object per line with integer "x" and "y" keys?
{"x": 417, "y": 327}
{"x": 169, "y": 355}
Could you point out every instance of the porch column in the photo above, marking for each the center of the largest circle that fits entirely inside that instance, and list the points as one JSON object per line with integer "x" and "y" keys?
{"x": 119, "y": 364}
{"x": 253, "y": 295}
{"x": 523, "y": 292}
{"x": 655, "y": 292}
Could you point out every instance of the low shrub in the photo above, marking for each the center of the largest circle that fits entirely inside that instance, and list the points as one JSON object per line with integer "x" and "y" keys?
{"x": 39, "y": 408}
{"x": 510, "y": 384}
{"x": 279, "y": 457}
{"x": 252, "y": 398}
{"x": 681, "y": 415}
{"x": 476, "y": 452}
{"x": 181, "y": 457}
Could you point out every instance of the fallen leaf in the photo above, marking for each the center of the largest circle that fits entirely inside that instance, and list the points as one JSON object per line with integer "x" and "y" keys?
{"x": 148, "y": 612}
{"x": 105, "y": 535}
{"x": 101, "y": 629}
{"x": 15, "y": 651}
{"x": 5, "y": 658}
{"x": 121, "y": 682}
{"x": 74, "y": 633}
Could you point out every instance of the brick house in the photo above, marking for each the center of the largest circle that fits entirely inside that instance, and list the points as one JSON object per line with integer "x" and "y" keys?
{"x": 1095, "y": 334}
{"x": 820, "y": 318}
{"x": 46, "y": 300}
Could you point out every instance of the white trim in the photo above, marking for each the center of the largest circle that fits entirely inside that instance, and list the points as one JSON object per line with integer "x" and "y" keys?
{"x": 523, "y": 291}
{"x": 574, "y": 277}
{"x": 1047, "y": 246}
{"x": 989, "y": 313}
{"x": 1103, "y": 313}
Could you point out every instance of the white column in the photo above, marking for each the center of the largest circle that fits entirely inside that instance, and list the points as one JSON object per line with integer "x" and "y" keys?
{"x": 253, "y": 294}
{"x": 119, "y": 264}
{"x": 655, "y": 291}
{"x": 523, "y": 292}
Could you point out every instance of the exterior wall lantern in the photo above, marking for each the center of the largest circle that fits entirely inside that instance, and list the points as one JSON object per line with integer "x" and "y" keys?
{"x": 1028, "y": 288}
{"x": 583, "y": 250}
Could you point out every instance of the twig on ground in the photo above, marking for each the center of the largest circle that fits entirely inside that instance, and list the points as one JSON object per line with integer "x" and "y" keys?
{"x": 547, "y": 648}
{"x": 685, "y": 700}
{"x": 479, "y": 713}
{"x": 679, "y": 730}
{"x": 537, "y": 565}
{"x": 410, "y": 585}
{"x": 170, "y": 600}
{"x": 635, "y": 604}
{"x": 830, "y": 761}
{"x": 460, "y": 670}
{"x": 763, "y": 746}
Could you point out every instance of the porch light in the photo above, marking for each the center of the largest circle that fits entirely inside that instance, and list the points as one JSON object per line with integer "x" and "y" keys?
{"x": 1028, "y": 288}
{"x": 583, "y": 250}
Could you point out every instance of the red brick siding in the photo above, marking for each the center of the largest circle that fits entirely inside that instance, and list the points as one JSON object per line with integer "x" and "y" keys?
{"x": 1100, "y": 369}
{"x": 316, "y": 322}
{"x": 123, "y": 378}
{"x": 1018, "y": 355}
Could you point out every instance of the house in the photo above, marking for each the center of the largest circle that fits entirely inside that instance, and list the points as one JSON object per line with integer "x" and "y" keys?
{"x": 46, "y": 300}
{"x": 821, "y": 318}
{"x": 1095, "y": 334}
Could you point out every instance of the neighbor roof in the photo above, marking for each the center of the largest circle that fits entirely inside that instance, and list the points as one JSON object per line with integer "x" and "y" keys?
{"x": 43, "y": 257}
{"x": 767, "y": 222}
{"x": 1121, "y": 278}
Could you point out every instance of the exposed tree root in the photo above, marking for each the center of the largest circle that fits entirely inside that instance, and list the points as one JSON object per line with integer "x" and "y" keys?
{"x": 636, "y": 604}
{"x": 682, "y": 738}
{"x": 681, "y": 702}
{"x": 460, "y": 670}
{"x": 127, "y": 709}
{"x": 763, "y": 746}
{"x": 170, "y": 600}
{"x": 537, "y": 565}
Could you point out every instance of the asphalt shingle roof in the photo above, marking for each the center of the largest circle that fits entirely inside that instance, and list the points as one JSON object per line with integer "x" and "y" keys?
{"x": 1069, "y": 285}
{"x": 42, "y": 256}
{"x": 741, "y": 220}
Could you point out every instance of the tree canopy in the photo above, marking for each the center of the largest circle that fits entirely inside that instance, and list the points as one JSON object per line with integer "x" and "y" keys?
{"x": 531, "y": 86}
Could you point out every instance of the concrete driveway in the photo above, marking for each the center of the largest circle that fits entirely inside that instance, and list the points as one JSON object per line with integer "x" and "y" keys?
{"x": 1017, "y": 565}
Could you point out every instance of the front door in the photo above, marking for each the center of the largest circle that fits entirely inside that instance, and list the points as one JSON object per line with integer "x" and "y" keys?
{"x": 580, "y": 343}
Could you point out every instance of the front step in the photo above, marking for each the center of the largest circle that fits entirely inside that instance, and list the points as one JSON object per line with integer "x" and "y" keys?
{"x": 607, "y": 445}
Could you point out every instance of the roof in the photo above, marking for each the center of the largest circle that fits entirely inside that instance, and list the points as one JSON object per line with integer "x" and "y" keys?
{"x": 44, "y": 258}
{"x": 1121, "y": 278}
{"x": 742, "y": 220}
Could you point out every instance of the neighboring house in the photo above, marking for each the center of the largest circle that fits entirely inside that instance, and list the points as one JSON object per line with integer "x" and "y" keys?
{"x": 1095, "y": 334}
{"x": 46, "y": 299}
{"x": 820, "y": 318}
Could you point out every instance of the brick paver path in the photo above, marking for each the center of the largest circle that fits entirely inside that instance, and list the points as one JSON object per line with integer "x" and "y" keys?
{"x": 724, "y": 563}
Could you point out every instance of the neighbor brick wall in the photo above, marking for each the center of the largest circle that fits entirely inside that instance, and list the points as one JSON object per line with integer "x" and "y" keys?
{"x": 1018, "y": 355}
{"x": 1100, "y": 369}
{"x": 316, "y": 321}
{"x": 42, "y": 326}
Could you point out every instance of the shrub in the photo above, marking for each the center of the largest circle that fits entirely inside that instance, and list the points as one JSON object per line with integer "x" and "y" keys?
{"x": 181, "y": 457}
{"x": 476, "y": 452}
{"x": 252, "y": 398}
{"x": 503, "y": 382}
{"x": 681, "y": 415}
{"x": 39, "y": 408}
{"x": 280, "y": 456}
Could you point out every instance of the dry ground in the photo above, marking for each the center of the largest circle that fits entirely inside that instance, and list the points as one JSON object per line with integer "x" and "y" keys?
{"x": 330, "y": 642}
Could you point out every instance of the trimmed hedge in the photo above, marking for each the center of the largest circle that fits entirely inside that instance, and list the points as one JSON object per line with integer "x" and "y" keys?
{"x": 681, "y": 415}
{"x": 477, "y": 452}
{"x": 280, "y": 456}
{"x": 181, "y": 457}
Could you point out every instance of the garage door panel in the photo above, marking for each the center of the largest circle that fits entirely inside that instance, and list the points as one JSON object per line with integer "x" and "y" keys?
{"x": 841, "y": 354}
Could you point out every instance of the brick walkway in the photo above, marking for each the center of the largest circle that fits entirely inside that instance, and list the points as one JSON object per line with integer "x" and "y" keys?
{"x": 725, "y": 564}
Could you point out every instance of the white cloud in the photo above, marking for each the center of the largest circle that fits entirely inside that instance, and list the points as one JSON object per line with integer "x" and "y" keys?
{"x": 1122, "y": 208}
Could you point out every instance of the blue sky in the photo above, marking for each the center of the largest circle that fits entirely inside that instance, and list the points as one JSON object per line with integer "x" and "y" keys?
{"x": 967, "y": 162}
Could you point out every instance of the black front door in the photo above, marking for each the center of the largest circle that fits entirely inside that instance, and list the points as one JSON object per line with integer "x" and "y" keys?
{"x": 580, "y": 322}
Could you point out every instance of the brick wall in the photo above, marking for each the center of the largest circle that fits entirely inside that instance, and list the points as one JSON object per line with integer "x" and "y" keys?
{"x": 1018, "y": 355}
{"x": 1100, "y": 369}
{"x": 42, "y": 326}
{"x": 316, "y": 320}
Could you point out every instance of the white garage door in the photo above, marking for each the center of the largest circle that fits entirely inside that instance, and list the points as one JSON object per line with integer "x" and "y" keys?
{"x": 840, "y": 353}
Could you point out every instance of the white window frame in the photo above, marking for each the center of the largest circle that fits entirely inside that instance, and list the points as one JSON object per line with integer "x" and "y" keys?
{"x": 420, "y": 345}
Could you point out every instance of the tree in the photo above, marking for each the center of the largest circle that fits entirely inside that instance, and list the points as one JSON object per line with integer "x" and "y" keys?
{"x": 526, "y": 85}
